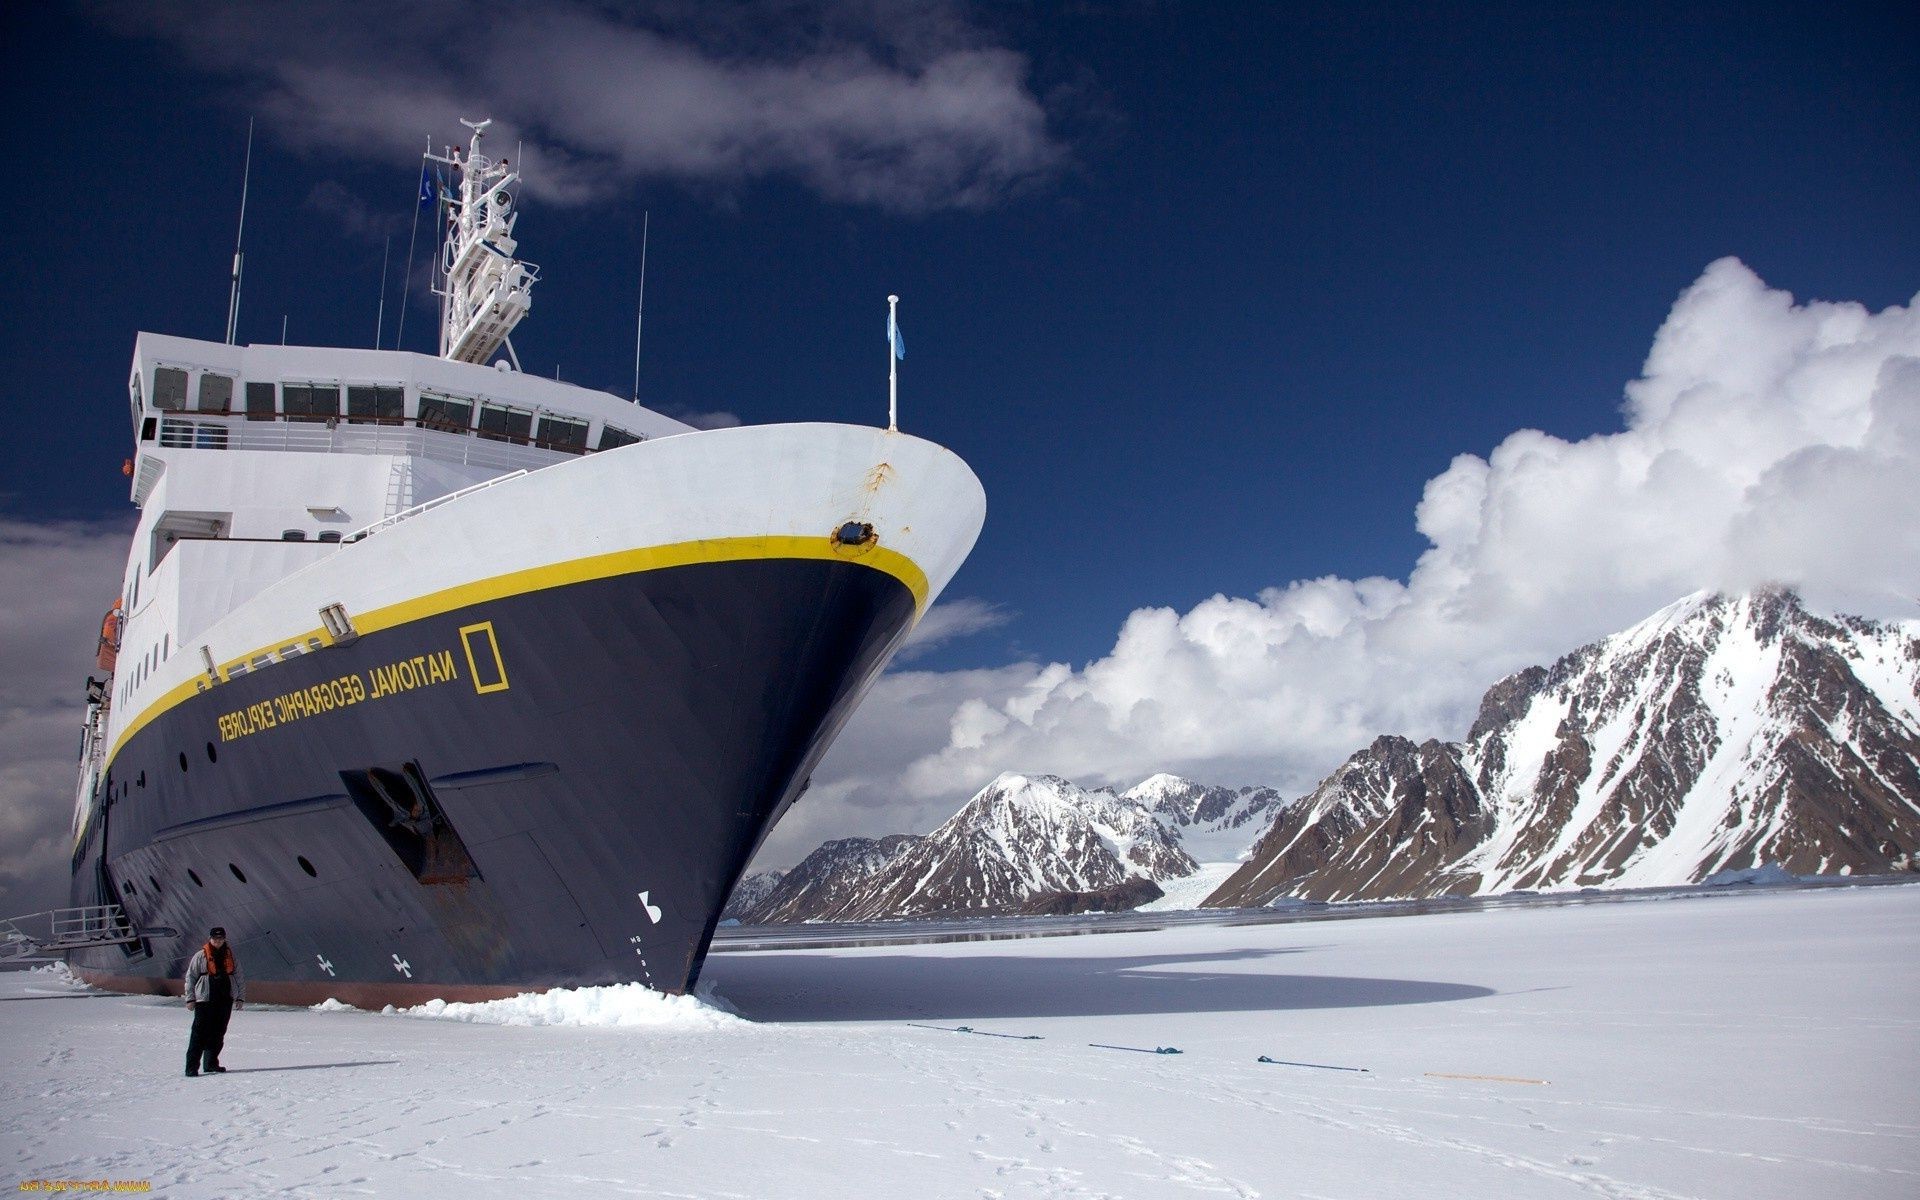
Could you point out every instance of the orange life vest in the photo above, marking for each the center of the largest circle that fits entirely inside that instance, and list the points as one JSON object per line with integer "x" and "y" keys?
{"x": 219, "y": 959}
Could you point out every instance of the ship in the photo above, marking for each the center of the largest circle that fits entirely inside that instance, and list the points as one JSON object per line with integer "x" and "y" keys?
{"x": 433, "y": 679}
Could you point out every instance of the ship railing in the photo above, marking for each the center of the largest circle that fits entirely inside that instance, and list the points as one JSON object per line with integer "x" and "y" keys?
{"x": 47, "y": 935}
{"x": 347, "y": 435}
{"x": 427, "y": 505}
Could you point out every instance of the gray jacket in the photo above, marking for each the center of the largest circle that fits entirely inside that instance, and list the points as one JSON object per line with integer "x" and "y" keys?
{"x": 200, "y": 983}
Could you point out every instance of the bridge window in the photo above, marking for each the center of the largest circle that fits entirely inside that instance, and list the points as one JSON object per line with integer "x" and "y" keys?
{"x": 444, "y": 412}
{"x": 505, "y": 424}
{"x": 260, "y": 406}
{"x": 610, "y": 437}
{"x": 310, "y": 402}
{"x": 216, "y": 393}
{"x": 380, "y": 405}
{"x": 559, "y": 434}
{"x": 169, "y": 388}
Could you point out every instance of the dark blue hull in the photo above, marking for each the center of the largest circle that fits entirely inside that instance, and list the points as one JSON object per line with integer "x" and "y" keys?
{"x": 556, "y": 788}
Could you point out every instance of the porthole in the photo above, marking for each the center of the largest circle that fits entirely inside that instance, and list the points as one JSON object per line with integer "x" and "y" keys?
{"x": 183, "y": 761}
{"x": 155, "y": 883}
{"x": 308, "y": 867}
{"x": 237, "y": 873}
{"x": 196, "y": 878}
{"x": 212, "y": 755}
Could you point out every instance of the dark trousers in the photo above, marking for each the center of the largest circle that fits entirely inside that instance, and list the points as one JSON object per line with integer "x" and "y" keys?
{"x": 210, "y": 1019}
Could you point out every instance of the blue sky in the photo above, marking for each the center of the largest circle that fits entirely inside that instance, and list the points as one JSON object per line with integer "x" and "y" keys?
{"x": 1206, "y": 294}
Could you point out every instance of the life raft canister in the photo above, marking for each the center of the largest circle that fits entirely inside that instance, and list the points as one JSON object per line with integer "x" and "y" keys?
{"x": 110, "y": 637}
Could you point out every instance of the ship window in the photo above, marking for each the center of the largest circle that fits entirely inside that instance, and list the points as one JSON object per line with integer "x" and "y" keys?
{"x": 212, "y": 754}
{"x": 307, "y": 866}
{"x": 194, "y": 875}
{"x": 169, "y": 388}
{"x": 155, "y": 884}
{"x": 559, "y": 434}
{"x": 442, "y": 412}
{"x": 380, "y": 405}
{"x": 177, "y": 434}
{"x": 611, "y": 437}
{"x": 183, "y": 762}
{"x": 260, "y": 402}
{"x": 293, "y": 535}
{"x": 237, "y": 873}
{"x": 133, "y": 392}
{"x": 329, "y": 535}
{"x": 505, "y": 424}
{"x": 310, "y": 402}
{"x": 216, "y": 393}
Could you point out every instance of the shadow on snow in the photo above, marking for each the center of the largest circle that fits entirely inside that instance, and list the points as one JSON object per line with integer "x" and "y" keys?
{"x": 802, "y": 986}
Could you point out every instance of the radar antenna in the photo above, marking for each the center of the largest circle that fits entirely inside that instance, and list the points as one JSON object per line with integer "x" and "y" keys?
{"x": 485, "y": 290}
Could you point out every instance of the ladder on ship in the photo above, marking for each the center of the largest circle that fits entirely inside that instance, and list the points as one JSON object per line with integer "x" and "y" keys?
{"x": 45, "y": 936}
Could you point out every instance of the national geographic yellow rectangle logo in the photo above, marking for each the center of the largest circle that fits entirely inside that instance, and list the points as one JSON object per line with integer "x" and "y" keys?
{"x": 484, "y": 664}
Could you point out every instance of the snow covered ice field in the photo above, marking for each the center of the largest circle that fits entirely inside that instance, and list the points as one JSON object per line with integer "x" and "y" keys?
{"x": 1748, "y": 1044}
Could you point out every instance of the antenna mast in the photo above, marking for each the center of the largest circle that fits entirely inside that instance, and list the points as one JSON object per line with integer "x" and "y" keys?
{"x": 380, "y": 321}
{"x": 487, "y": 290}
{"x": 640, "y": 321}
{"x": 233, "y": 298}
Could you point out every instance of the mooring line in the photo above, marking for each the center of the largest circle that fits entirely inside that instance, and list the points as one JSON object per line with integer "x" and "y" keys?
{"x": 1014, "y": 1037}
{"x": 1281, "y": 1062}
{"x": 1487, "y": 1078}
{"x": 1135, "y": 1049}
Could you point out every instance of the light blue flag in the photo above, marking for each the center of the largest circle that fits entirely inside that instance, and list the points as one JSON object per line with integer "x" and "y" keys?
{"x": 894, "y": 339}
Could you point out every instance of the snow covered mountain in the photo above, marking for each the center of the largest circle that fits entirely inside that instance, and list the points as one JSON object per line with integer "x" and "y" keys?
{"x": 1022, "y": 844}
{"x": 1214, "y": 824}
{"x": 824, "y": 885}
{"x": 749, "y": 892}
{"x": 1721, "y": 733}
{"x": 1030, "y": 844}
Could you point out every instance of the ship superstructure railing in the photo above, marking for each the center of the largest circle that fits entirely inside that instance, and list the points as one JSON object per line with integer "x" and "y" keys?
{"x": 428, "y": 505}
{"x": 214, "y": 431}
{"x": 46, "y": 935}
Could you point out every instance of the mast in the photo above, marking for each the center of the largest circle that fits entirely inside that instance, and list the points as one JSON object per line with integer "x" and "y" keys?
{"x": 485, "y": 290}
{"x": 233, "y": 297}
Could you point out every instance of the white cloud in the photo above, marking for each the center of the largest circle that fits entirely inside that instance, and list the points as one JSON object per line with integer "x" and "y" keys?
{"x": 1766, "y": 442}
{"x": 718, "y": 419}
{"x": 57, "y": 581}
{"x": 908, "y": 109}
{"x": 950, "y": 620}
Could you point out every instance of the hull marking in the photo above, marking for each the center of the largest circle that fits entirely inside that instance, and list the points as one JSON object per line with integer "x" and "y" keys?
{"x": 477, "y": 664}
{"x": 601, "y": 566}
{"x": 403, "y": 966}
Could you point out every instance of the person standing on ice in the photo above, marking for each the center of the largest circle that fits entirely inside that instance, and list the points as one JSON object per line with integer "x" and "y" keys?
{"x": 214, "y": 989}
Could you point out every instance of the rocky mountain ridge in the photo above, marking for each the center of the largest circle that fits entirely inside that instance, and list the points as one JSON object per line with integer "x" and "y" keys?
{"x": 1722, "y": 733}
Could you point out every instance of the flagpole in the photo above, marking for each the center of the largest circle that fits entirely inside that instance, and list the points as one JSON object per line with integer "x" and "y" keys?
{"x": 893, "y": 367}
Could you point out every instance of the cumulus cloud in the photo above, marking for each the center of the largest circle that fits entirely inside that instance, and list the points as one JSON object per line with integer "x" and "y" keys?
{"x": 1765, "y": 442}
{"x": 58, "y": 580}
{"x": 906, "y": 108}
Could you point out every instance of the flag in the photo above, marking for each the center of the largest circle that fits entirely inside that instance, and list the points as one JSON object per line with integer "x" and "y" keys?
{"x": 426, "y": 187}
{"x": 894, "y": 339}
